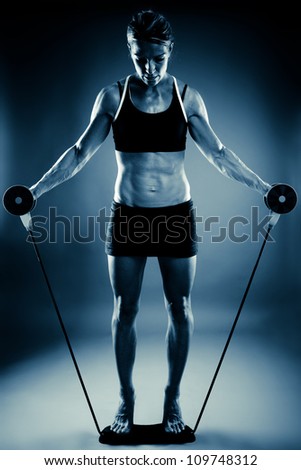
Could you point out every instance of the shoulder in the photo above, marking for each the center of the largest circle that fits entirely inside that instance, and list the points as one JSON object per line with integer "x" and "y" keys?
{"x": 108, "y": 99}
{"x": 180, "y": 84}
{"x": 195, "y": 103}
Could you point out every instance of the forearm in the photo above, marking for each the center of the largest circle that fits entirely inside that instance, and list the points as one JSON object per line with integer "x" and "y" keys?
{"x": 212, "y": 148}
{"x": 64, "y": 169}
{"x": 231, "y": 166}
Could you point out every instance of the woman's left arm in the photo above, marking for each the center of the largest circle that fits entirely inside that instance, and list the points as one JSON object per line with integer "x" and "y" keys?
{"x": 212, "y": 148}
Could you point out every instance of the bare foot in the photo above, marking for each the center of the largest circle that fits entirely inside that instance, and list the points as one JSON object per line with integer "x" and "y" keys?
{"x": 172, "y": 418}
{"x": 123, "y": 421}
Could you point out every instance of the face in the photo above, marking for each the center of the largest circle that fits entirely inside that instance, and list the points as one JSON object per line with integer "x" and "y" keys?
{"x": 150, "y": 60}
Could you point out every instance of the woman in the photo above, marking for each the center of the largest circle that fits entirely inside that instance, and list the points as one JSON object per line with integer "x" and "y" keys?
{"x": 152, "y": 212}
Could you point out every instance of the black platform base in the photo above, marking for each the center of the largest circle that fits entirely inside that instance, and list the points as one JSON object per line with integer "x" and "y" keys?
{"x": 146, "y": 434}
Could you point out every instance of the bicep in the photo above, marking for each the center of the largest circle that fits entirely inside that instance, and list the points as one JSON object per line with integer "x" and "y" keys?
{"x": 98, "y": 128}
{"x": 94, "y": 135}
{"x": 200, "y": 129}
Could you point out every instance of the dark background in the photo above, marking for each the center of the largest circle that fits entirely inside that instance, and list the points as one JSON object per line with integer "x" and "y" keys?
{"x": 244, "y": 58}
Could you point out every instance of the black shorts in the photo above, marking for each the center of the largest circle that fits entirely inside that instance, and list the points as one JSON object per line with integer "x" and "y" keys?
{"x": 152, "y": 231}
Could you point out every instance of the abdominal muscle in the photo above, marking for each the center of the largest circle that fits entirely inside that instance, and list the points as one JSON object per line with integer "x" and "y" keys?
{"x": 151, "y": 179}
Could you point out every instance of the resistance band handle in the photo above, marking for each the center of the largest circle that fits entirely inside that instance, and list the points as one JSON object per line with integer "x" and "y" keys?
{"x": 18, "y": 200}
{"x": 281, "y": 198}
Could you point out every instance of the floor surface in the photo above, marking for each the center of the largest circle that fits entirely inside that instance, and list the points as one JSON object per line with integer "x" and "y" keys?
{"x": 255, "y": 402}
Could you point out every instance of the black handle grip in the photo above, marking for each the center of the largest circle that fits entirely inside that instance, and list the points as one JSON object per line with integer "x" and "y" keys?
{"x": 281, "y": 198}
{"x": 18, "y": 200}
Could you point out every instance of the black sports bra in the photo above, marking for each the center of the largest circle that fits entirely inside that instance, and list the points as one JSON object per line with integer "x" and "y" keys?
{"x": 138, "y": 131}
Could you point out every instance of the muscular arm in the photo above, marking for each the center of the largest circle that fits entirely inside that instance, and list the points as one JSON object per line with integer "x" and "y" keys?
{"x": 76, "y": 157}
{"x": 212, "y": 148}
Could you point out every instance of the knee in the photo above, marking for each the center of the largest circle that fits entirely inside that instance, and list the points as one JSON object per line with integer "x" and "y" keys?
{"x": 180, "y": 311}
{"x": 125, "y": 311}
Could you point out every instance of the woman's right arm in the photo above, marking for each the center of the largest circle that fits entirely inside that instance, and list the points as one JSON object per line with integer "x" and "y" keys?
{"x": 75, "y": 157}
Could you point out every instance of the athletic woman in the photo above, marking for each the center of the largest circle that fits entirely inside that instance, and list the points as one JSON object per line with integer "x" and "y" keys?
{"x": 150, "y": 113}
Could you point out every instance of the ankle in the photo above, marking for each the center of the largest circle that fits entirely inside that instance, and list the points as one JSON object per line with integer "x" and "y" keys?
{"x": 127, "y": 393}
{"x": 172, "y": 393}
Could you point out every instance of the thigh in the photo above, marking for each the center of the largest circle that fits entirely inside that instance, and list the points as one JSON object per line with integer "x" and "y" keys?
{"x": 126, "y": 275}
{"x": 178, "y": 276}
